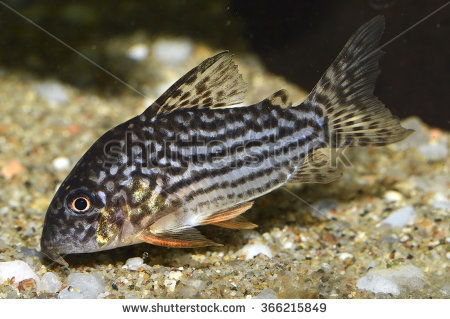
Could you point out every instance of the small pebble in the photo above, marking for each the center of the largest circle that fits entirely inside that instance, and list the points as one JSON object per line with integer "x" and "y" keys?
{"x": 435, "y": 150}
{"x": 27, "y": 284}
{"x": 253, "y": 250}
{"x": 326, "y": 267}
{"x": 378, "y": 284}
{"x": 439, "y": 201}
{"x": 266, "y": 294}
{"x": 346, "y": 258}
{"x": 61, "y": 163}
{"x": 170, "y": 284}
{"x": 83, "y": 286}
{"x": 192, "y": 288}
{"x": 4, "y": 210}
{"x": 445, "y": 290}
{"x": 17, "y": 269}
{"x": 53, "y": 92}
{"x": 400, "y": 217}
{"x": 49, "y": 283}
{"x": 175, "y": 275}
{"x": 392, "y": 196}
{"x": 134, "y": 263}
{"x": 11, "y": 169}
{"x": 392, "y": 280}
{"x": 419, "y": 137}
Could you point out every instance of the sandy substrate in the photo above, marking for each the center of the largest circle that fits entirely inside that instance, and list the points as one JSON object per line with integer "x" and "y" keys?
{"x": 382, "y": 230}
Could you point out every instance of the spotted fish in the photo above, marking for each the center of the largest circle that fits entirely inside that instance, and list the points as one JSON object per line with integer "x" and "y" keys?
{"x": 195, "y": 157}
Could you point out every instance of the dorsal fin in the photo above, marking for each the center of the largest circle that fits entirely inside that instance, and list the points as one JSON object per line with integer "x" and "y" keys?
{"x": 319, "y": 167}
{"x": 280, "y": 98}
{"x": 216, "y": 82}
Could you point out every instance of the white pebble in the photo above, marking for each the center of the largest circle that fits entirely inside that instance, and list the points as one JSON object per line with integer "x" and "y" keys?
{"x": 400, "y": 217}
{"x": 138, "y": 52}
{"x": 17, "y": 269}
{"x": 83, "y": 286}
{"x": 445, "y": 290}
{"x": 419, "y": 137}
{"x": 172, "y": 52}
{"x": 288, "y": 245}
{"x": 192, "y": 288}
{"x": 326, "y": 267}
{"x": 252, "y": 250}
{"x": 266, "y": 294}
{"x": 393, "y": 280}
{"x": 197, "y": 283}
{"x": 134, "y": 263}
{"x": 61, "y": 163}
{"x": 53, "y": 92}
{"x": 345, "y": 256}
{"x": 392, "y": 196}
{"x": 170, "y": 284}
{"x": 378, "y": 284}
{"x": 49, "y": 283}
{"x": 175, "y": 275}
{"x": 435, "y": 150}
{"x": 4, "y": 210}
{"x": 439, "y": 201}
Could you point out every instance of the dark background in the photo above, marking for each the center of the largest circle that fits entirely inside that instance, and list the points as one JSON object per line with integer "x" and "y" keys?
{"x": 296, "y": 39}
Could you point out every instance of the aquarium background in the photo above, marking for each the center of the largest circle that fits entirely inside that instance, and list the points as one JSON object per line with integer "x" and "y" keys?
{"x": 294, "y": 39}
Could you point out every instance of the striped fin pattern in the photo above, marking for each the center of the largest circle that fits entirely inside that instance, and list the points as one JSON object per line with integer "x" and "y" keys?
{"x": 216, "y": 82}
{"x": 355, "y": 116}
{"x": 318, "y": 167}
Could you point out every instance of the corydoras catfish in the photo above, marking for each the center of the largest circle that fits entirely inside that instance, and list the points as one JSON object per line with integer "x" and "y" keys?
{"x": 194, "y": 157}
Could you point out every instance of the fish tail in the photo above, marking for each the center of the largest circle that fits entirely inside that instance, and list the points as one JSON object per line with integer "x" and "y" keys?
{"x": 353, "y": 115}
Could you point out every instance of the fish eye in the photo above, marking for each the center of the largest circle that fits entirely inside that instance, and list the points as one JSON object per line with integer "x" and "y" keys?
{"x": 80, "y": 204}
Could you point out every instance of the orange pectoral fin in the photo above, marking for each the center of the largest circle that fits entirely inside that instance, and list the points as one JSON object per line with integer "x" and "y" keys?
{"x": 186, "y": 238}
{"x": 227, "y": 214}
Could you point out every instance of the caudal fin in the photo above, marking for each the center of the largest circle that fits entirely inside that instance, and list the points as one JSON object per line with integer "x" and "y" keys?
{"x": 354, "y": 116}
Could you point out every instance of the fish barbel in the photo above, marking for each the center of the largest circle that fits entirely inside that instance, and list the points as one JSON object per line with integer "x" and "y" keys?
{"x": 190, "y": 159}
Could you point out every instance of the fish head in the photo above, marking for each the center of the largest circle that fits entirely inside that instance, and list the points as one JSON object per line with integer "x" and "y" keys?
{"x": 72, "y": 217}
{"x": 90, "y": 210}
{"x": 87, "y": 211}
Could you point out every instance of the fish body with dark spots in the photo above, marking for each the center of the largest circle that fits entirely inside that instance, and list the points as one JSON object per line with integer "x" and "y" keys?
{"x": 195, "y": 158}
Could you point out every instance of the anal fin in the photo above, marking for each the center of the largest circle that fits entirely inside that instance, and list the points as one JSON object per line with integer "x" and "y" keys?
{"x": 319, "y": 167}
{"x": 186, "y": 238}
{"x": 227, "y": 214}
